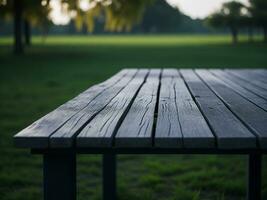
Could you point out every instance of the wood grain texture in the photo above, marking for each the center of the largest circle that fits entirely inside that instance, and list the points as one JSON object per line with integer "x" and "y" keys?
{"x": 247, "y": 85}
{"x": 100, "y": 131}
{"x": 136, "y": 128}
{"x": 251, "y": 115}
{"x": 261, "y": 73}
{"x": 259, "y": 101}
{"x": 230, "y": 132}
{"x": 250, "y": 77}
{"x": 65, "y": 135}
{"x": 196, "y": 132}
{"x": 177, "y": 112}
{"x": 142, "y": 108}
{"x": 168, "y": 132}
{"x": 37, "y": 134}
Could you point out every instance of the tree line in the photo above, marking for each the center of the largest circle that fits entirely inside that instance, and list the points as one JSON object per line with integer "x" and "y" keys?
{"x": 235, "y": 16}
{"x": 119, "y": 15}
{"x": 122, "y": 15}
{"x": 159, "y": 17}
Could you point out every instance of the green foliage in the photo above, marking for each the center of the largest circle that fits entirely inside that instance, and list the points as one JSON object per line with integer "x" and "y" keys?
{"x": 36, "y": 13}
{"x": 235, "y": 15}
{"x": 161, "y": 17}
{"x": 259, "y": 15}
{"x": 122, "y": 14}
{"x": 119, "y": 14}
{"x": 259, "y": 11}
{"x": 6, "y": 9}
{"x": 229, "y": 15}
{"x": 216, "y": 20}
{"x": 32, "y": 10}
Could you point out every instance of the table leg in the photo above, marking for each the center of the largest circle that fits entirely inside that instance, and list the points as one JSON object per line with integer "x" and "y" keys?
{"x": 254, "y": 177}
{"x": 59, "y": 176}
{"x": 109, "y": 176}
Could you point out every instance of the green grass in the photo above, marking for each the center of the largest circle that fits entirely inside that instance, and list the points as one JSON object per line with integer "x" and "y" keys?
{"x": 58, "y": 68}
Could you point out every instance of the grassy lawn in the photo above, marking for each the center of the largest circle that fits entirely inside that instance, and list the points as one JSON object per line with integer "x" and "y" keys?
{"x": 56, "y": 69}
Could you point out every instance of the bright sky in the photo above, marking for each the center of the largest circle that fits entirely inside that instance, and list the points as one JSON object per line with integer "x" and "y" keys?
{"x": 58, "y": 14}
{"x": 192, "y": 8}
{"x": 199, "y": 8}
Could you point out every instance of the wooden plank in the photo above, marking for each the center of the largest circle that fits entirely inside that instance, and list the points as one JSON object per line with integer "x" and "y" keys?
{"x": 259, "y": 101}
{"x": 136, "y": 128}
{"x": 252, "y": 74}
{"x": 252, "y": 78}
{"x": 100, "y": 131}
{"x": 199, "y": 135}
{"x": 260, "y": 75}
{"x": 229, "y": 131}
{"x": 260, "y": 72}
{"x": 36, "y": 135}
{"x": 247, "y": 85}
{"x": 176, "y": 114}
{"x": 168, "y": 132}
{"x": 251, "y": 115}
{"x": 65, "y": 135}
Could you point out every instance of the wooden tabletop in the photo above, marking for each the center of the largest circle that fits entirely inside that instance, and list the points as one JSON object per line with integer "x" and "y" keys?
{"x": 160, "y": 108}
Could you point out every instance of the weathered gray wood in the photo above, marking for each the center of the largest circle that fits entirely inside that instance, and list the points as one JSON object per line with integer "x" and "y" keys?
{"x": 259, "y": 101}
{"x": 252, "y": 74}
{"x": 176, "y": 114}
{"x": 37, "y": 134}
{"x": 251, "y": 115}
{"x": 100, "y": 131}
{"x": 196, "y": 133}
{"x": 246, "y": 84}
{"x": 260, "y": 75}
{"x": 65, "y": 135}
{"x": 252, "y": 78}
{"x": 201, "y": 110}
{"x": 136, "y": 128}
{"x": 260, "y": 72}
{"x": 168, "y": 132}
{"x": 229, "y": 131}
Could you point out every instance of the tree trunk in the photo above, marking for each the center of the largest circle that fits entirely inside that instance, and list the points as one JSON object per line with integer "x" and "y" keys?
{"x": 27, "y": 33}
{"x": 234, "y": 32}
{"x": 18, "y": 46}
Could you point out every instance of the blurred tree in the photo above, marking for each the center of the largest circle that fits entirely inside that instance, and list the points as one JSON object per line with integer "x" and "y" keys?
{"x": 35, "y": 14}
{"x": 259, "y": 14}
{"x": 18, "y": 46}
{"x": 230, "y": 15}
{"x": 6, "y": 10}
{"x": 25, "y": 13}
{"x": 248, "y": 23}
{"x": 119, "y": 14}
{"x": 161, "y": 17}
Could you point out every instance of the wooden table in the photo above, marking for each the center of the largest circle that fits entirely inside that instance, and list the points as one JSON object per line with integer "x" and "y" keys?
{"x": 142, "y": 111}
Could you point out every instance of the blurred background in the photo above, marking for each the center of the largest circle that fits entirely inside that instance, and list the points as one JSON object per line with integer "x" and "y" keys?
{"x": 51, "y": 50}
